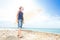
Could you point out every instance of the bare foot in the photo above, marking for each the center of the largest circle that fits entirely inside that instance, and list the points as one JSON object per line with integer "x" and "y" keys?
{"x": 20, "y": 36}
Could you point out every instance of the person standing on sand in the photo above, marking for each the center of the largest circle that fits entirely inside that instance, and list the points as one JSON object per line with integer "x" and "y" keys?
{"x": 20, "y": 20}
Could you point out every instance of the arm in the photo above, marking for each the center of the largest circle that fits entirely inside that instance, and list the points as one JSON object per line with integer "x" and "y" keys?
{"x": 23, "y": 20}
{"x": 17, "y": 18}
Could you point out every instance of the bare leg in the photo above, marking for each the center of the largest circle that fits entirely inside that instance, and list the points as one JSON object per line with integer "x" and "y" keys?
{"x": 19, "y": 32}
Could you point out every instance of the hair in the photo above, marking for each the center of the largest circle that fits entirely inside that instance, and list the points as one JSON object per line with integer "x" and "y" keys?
{"x": 20, "y": 7}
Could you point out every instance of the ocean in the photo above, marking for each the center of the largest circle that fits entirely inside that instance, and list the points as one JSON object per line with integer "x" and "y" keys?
{"x": 46, "y": 30}
{"x": 11, "y": 26}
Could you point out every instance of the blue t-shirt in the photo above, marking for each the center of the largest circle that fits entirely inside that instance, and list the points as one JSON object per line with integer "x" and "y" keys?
{"x": 20, "y": 15}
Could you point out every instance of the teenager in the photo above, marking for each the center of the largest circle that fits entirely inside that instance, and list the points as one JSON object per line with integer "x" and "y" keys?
{"x": 20, "y": 20}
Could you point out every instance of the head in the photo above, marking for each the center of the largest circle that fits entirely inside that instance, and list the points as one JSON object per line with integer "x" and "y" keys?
{"x": 21, "y": 8}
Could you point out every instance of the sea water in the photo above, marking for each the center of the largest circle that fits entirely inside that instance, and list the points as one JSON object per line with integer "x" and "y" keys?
{"x": 47, "y": 30}
{"x": 9, "y": 25}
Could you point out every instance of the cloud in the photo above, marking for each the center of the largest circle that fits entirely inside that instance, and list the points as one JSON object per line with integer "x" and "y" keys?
{"x": 34, "y": 16}
{"x": 41, "y": 20}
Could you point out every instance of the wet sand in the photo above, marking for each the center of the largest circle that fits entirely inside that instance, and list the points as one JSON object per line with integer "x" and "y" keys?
{"x": 27, "y": 35}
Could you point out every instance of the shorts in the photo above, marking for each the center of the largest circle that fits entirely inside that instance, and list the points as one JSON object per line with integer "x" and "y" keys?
{"x": 20, "y": 23}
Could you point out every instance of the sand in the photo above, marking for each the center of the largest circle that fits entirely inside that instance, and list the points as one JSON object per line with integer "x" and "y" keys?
{"x": 27, "y": 35}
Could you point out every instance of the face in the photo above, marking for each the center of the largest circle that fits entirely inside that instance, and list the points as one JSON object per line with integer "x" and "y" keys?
{"x": 21, "y": 9}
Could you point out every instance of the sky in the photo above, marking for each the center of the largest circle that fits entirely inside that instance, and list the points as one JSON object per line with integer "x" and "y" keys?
{"x": 37, "y": 13}
{"x": 51, "y": 6}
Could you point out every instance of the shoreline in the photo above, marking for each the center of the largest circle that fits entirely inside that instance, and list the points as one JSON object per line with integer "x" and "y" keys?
{"x": 32, "y": 30}
{"x": 28, "y": 35}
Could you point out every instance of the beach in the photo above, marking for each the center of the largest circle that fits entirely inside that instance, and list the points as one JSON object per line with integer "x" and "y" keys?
{"x": 27, "y": 35}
